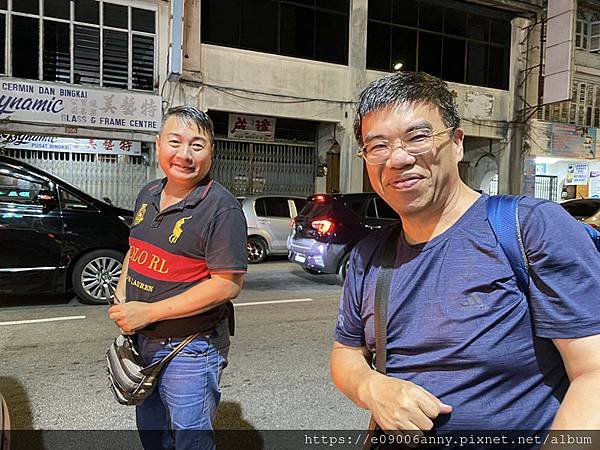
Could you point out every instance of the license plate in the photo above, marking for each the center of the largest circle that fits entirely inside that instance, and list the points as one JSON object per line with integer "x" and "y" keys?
{"x": 299, "y": 258}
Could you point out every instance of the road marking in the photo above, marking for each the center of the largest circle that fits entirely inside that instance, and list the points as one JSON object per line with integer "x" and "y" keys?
{"x": 49, "y": 319}
{"x": 271, "y": 302}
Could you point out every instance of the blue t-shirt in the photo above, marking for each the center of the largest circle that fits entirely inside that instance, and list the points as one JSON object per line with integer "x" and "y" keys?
{"x": 459, "y": 327}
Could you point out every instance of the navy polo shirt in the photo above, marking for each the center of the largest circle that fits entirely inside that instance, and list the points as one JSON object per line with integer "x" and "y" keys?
{"x": 174, "y": 250}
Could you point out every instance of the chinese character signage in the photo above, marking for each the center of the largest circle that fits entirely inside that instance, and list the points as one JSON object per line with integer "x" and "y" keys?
{"x": 63, "y": 144}
{"x": 77, "y": 106}
{"x": 251, "y": 127}
{"x": 577, "y": 174}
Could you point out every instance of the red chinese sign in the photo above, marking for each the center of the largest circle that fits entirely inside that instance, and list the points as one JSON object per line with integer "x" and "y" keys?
{"x": 259, "y": 128}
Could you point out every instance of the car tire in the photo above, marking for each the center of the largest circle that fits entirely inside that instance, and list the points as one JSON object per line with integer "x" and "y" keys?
{"x": 95, "y": 276}
{"x": 257, "y": 250}
{"x": 4, "y": 425}
{"x": 343, "y": 269}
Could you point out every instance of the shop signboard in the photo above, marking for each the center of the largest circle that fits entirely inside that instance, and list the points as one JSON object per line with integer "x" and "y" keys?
{"x": 57, "y": 104}
{"x": 577, "y": 174}
{"x": 572, "y": 141}
{"x": 242, "y": 126}
{"x": 66, "y": 144}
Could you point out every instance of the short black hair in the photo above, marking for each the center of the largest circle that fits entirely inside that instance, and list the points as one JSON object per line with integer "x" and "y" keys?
{"x": 191, "y": 114}
{"x": 406, "y": 87}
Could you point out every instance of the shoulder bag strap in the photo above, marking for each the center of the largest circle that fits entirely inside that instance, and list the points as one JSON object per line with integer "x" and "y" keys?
{"x": 503, "y": 216}
{"x": 382, "y": 293}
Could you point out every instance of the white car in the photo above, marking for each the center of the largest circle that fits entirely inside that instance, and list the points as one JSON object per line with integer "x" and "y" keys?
{"x": 269, "y": 220}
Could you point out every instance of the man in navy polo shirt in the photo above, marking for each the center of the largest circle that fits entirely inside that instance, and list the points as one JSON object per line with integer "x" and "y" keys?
{"x": 186, "y": 261}
{"x": 466, "y": 349}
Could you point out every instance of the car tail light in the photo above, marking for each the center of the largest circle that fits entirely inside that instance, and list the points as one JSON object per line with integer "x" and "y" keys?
{"x": 320, "y": 198}
{"x": 292, "y": 222}
{"x": 593, "y": 225}
{"x": 323, "y": 226}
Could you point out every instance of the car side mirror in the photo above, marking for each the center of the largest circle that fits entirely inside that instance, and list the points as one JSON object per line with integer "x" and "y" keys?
{"x": 47, "y": 199}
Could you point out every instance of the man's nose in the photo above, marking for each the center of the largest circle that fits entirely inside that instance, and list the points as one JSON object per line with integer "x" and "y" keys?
{"x": 185, "y": 150}
{"x": 399, "y": 157}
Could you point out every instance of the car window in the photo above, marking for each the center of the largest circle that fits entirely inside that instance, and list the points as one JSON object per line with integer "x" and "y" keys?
{"x": 299, "y": 202}
{"x": 357, "y": 205}
{"x": 384, "y": 211}
{"x": 21, "y": 189}
{"x": 272, "y": 207}
{"x": 581, "y": 209}
{"x": 377, "y": 208}
{"x": 71, "y": 202}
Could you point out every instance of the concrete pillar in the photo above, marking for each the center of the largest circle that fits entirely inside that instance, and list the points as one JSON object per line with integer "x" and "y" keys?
{"x": 192, "y": 50}
{"x": 521, "y": 72}
{"x": 351, "y": 166}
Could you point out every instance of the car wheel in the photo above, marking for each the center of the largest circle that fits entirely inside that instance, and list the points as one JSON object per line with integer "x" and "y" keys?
{"x": 96, "y": 274}
{"x": 4, "y": 425}
{"x": 343, "y": 268}
{"x": 257, "y": 250}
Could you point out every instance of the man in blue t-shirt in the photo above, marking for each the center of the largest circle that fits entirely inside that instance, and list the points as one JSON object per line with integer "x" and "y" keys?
{"x": 466, "y": 350}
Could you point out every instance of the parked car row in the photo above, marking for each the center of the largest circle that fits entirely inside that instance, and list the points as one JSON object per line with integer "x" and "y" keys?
{"x": 55, "y": 238}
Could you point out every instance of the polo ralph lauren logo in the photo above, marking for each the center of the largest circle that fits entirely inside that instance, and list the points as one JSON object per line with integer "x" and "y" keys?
{"x": 178, "y": 230}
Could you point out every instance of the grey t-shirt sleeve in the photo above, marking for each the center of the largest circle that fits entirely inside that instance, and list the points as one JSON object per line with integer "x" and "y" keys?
{"x": 565, "y": 271}
{"x": 226, "y": 242}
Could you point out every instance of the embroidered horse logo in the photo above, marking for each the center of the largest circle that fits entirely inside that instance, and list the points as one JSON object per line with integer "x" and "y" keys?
{"x": 140, "y": 214}
{"x": 177, "y": 230}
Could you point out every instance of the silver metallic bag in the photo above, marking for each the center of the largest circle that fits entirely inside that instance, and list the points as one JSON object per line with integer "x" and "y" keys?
{"x": 130, "y": 379}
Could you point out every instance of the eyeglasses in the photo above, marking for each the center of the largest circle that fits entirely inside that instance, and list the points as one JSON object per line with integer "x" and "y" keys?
{"x": 414, "y": 143}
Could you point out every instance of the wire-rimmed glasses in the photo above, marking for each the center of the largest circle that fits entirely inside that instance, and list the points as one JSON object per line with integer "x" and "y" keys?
{"x": 415, "y": 143}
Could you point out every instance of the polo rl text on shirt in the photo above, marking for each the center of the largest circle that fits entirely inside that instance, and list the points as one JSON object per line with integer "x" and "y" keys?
{"x": 158, "y": 264}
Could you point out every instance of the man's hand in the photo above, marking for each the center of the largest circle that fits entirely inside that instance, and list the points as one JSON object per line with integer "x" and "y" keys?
{"x": 131, "y": 316}
{"x": 401, "y": 405}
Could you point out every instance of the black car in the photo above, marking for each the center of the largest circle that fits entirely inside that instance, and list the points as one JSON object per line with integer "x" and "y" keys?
{"x": 54, "y": 237}
{"x": 329, "y": 226}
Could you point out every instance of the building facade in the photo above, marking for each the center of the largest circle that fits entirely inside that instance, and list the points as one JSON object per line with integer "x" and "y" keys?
{"x": 301, "y": 64}
{"x": 561, "y": 159}
{"x": 278, "y": 77}
{"x": 79, "y": 89}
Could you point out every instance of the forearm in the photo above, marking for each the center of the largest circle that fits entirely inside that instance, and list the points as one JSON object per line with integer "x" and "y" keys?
{"x": 579, "y": 408}
{"x": 350, "y": 372}
{"x": 200, "y": 298}
{"x": 120, "y": 291}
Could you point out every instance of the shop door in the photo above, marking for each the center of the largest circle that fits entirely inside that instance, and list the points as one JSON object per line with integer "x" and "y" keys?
{"x": 254, "y": 168}
{"x": 118, "y": 178}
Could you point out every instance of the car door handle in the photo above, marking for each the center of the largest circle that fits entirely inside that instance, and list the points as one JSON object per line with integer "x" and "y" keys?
{"x": 373, "y": 227}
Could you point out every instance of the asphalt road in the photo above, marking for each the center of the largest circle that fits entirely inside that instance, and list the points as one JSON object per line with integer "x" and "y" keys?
{"x": 53, "y": 378}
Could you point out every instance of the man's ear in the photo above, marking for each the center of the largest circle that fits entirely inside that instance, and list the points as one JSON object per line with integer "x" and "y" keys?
{"x": 157, "y": 144}
{"x": 458, "y": 140}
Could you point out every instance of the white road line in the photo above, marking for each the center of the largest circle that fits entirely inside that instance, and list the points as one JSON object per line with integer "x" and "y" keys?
{"x": 49, "y": 319}
{"x": 271, "y": 302}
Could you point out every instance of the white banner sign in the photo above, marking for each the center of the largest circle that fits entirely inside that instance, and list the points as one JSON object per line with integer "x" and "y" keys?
{"x": 594, "y": 184}
{"x": 577, "y": 174}
{"x": 76, "y": 106}
{"x": 63, "y": 144}
{"x": 259, "y": 128}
